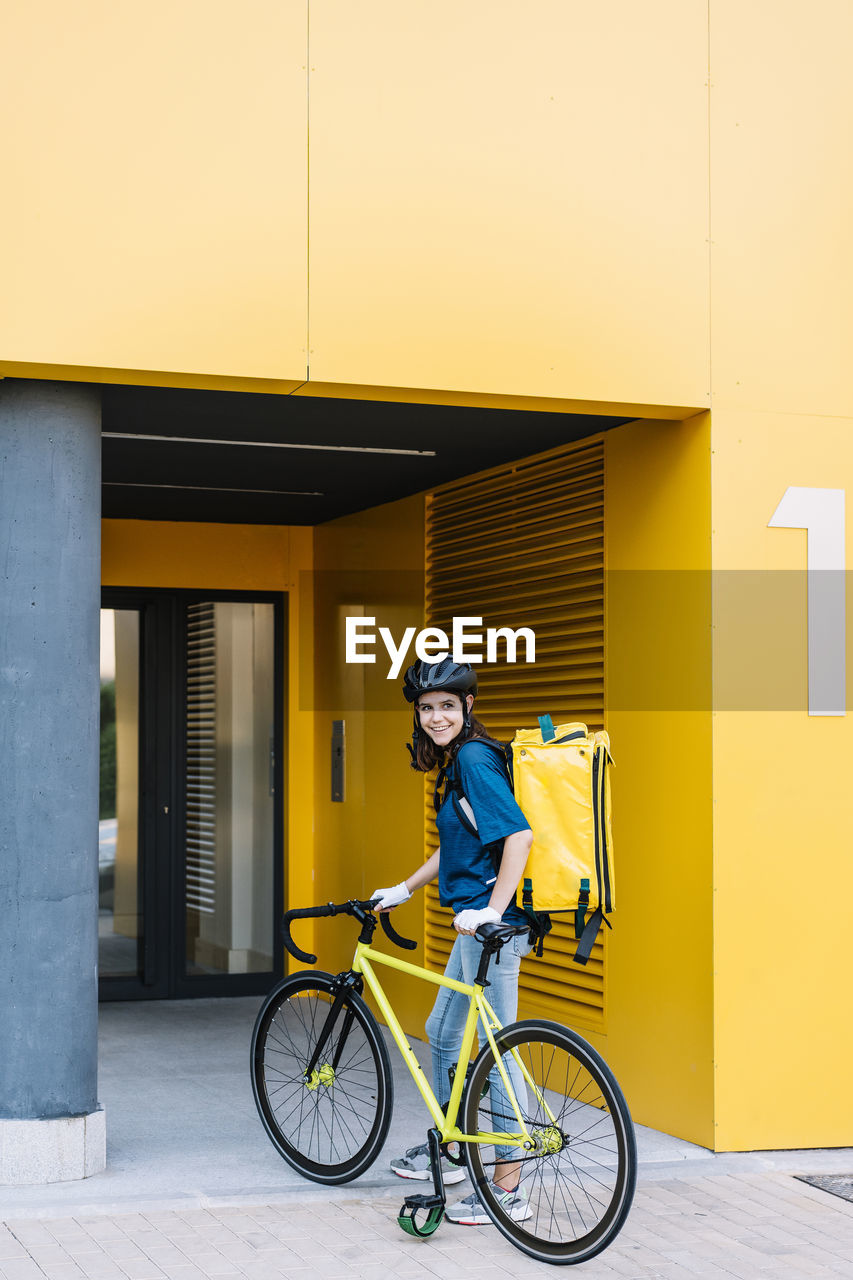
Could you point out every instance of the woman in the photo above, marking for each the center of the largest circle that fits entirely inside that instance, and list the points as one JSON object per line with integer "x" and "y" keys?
{"x": 446, "y": 733}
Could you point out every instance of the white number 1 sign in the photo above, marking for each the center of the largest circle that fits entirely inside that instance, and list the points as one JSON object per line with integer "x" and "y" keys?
{"x": 821, "y": 513}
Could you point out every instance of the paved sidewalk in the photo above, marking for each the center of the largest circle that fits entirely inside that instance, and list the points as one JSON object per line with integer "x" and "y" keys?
{"x": 182, "y": 1128}
{"x": 195, "y": 1191}
{"x": 754, "y": 1227}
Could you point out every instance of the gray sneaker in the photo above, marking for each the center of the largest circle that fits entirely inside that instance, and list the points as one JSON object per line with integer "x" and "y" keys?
{"x": 416, "y": 1164}
{"x": 470, "y": 1212}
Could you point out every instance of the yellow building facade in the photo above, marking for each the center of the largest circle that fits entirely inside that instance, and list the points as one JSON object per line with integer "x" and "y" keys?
{"x": 633, "y": 213}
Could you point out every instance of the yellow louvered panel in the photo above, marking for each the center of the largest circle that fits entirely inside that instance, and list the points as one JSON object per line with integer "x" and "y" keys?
{"x": 559, "y": 526}
{"x": 522, "y": 545}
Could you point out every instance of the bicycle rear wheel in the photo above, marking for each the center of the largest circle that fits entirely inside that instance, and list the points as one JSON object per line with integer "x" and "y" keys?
{"x": 330, "y": 1127}
{"x": 577, "y": 1183}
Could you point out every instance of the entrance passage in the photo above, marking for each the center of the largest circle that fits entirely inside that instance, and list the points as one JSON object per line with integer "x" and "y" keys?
{"x": 190, "y": 841}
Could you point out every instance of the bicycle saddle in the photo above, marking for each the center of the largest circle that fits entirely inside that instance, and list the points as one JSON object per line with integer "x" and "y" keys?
{"x": 495, "y": 935}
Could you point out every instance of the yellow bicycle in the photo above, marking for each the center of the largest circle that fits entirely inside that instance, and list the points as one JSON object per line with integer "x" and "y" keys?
{"x": 537, "y": 1096}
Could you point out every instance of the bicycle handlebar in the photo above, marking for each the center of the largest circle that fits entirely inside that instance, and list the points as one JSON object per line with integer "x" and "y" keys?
{"x": 391, "y": 933}
{"x": 302, "y": 913}
{"x": 352, "y": 908}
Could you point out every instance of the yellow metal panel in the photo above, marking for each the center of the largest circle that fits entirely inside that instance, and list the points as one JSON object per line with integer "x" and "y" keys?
{"x": 511, "y": 199}
{"x": 491, "y": 400}
{"x": 301, "y": 728}
{"x": 658, "y": 644}
{"x": 370, "y": 563}
{"x": 783, "y": 825}
{"x": 159, "y": 553}
{"x": 336, "y": 390}
{"x": 145, "y": 377}
{"x": 782, "y": 254}
{"x": 523, "y": 545}
{"x": 781, "y": 258}
{"x": 154, "y": 169}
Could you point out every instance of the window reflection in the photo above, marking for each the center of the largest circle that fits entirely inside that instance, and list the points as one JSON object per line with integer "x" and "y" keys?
{"x": 119, "y": 918}
{"x": 229, "y": 787}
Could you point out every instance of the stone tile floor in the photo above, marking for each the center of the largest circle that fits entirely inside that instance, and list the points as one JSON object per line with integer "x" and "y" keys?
{"x": 753, "y": 1226}
{"x": 193, "y": 1188}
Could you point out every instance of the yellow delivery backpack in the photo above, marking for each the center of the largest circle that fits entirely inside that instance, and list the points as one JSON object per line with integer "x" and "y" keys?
{"x": 561, "y": 779}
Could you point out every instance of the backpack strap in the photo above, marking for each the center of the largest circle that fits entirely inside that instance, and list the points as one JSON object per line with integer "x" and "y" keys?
{"x": 589, "y": 935}
{"x": 451, "y": 777}
{"x": 465, "y": 813}
{"x": 540, "y": 921}
{"x": 580, "y": 909}
{"x": 437, "y": 797}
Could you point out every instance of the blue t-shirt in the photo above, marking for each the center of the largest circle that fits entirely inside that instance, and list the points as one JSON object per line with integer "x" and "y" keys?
{"x": 466, "y": 871}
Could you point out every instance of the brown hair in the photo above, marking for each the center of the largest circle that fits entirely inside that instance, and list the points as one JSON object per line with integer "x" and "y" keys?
{"x": 427, "y": 754}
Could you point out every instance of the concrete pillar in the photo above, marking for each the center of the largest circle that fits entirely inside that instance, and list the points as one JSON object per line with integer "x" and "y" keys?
{"x": 51, "y": 1127}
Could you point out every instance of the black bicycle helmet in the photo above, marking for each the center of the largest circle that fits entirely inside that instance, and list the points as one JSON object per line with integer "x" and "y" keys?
{"x": 430, "y": 677}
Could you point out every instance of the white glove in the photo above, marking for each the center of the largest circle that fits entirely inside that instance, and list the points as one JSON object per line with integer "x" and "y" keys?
{"x": 392, "y": 897}
{"x": 469, "y": 921}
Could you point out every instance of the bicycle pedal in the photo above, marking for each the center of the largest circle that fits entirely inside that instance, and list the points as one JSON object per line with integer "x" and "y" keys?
{"x": 433, "y": 1206}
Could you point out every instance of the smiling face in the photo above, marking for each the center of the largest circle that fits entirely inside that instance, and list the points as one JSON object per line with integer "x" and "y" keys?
{"x": 442, "y": 715}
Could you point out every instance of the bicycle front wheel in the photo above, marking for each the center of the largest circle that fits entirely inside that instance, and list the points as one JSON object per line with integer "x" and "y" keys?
{"x": 331, "y": 1126}
{"x": 576, "y": 1181}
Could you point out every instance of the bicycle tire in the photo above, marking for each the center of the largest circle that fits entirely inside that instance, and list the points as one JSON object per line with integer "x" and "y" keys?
{"x": 332, "y": 1129}
{"x": 579, "y": 1182}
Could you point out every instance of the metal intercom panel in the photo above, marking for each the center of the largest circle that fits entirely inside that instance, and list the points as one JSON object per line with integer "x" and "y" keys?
{"x": 338, "y": 758}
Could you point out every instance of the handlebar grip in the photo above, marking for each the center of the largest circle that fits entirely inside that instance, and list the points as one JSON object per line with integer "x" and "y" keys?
{"x": 391, "y": 932}
{"x": 302, "y": 913}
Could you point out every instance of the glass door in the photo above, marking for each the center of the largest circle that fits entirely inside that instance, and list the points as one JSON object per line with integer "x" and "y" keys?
{"x": 191, "y": 823}
{"x": 229, "y": 779}
{"x": 120, "y": 916}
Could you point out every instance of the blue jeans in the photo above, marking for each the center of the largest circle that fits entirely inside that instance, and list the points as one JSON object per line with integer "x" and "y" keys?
{"x": 446, "y": 1024}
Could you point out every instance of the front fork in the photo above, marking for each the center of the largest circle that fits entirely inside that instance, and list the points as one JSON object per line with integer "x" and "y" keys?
{"x": 345, "y": 983}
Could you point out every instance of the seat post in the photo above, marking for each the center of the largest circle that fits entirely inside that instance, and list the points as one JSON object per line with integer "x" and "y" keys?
{"x": 489, "y": 949}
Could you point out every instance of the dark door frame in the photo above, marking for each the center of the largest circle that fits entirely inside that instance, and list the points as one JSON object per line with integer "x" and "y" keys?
{"x": 162, "y": 817}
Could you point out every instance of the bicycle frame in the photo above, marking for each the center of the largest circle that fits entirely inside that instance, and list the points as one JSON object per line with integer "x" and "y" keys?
{"x": 479, "y": 1010}
{"x": 326, "y": 1099}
